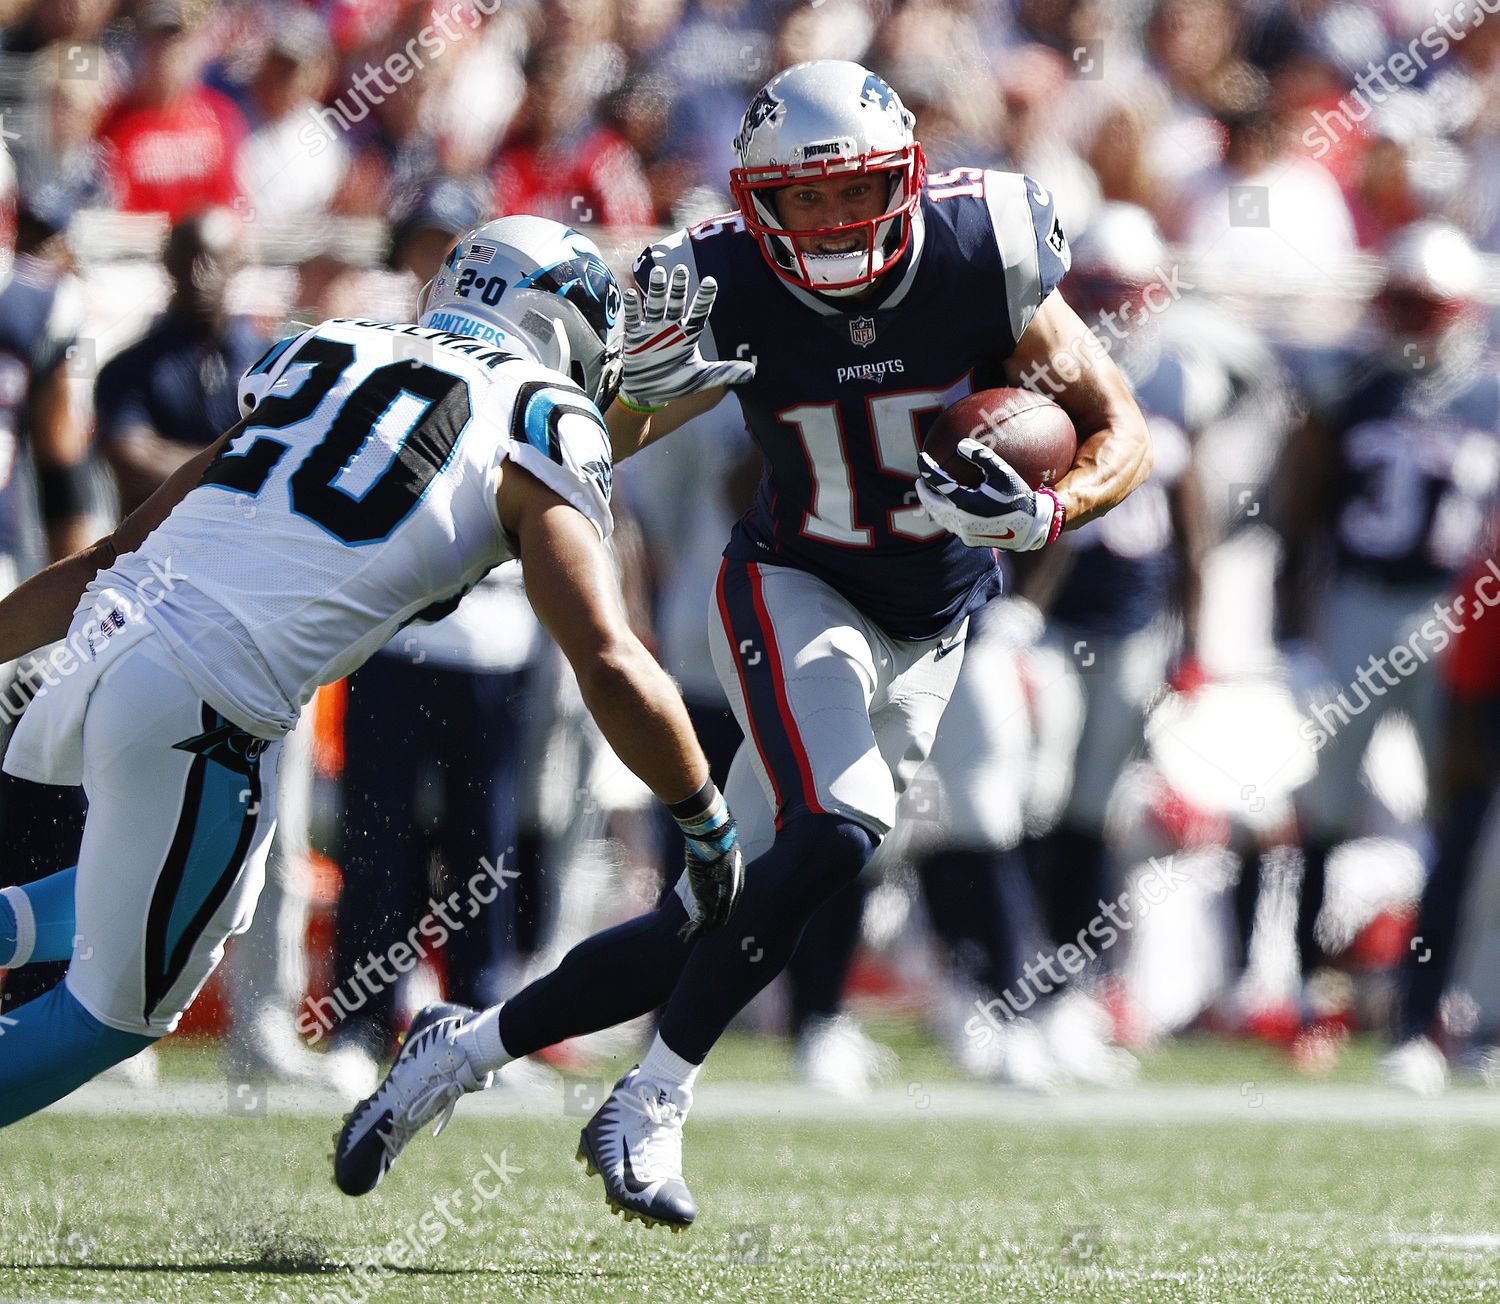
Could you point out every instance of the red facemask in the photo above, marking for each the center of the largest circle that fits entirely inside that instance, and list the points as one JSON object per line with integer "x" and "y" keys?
{"x": 907, "y": 168}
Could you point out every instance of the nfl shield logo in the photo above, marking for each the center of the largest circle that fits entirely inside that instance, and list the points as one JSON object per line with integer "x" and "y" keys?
{"x": 862, "y": 330}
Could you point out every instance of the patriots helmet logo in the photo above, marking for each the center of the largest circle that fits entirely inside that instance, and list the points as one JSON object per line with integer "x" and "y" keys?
{"x": 762, "y": 109}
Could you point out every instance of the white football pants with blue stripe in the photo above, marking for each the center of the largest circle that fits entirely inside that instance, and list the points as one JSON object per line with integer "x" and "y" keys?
{"x": 181, "y": 808}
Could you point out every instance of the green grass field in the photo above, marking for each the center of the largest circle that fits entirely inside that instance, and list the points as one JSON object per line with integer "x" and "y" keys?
{"x": 903, "y": 1206}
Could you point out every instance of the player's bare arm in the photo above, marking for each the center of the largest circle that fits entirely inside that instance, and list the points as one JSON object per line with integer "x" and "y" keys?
{"x": 61, "y": 442}
{"x": 40, "y": 610}
{"x": 142, "y": 461}
{"x": 572, "y": 589}
{"x": 1114, "y": 445}
{"x": 631, "y": 430}
{"x": 1303, "y": 483}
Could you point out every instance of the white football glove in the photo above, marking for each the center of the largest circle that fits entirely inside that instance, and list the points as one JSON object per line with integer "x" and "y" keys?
{"x": 1001, "y": 511}
{"x": 662, "y": 358}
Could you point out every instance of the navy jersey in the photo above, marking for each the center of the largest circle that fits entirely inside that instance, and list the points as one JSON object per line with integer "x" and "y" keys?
{"x": 845, "y": 389}
{"x": 1126, "y": 560}
{"x": 178, "y": 381}
{"x": 40, "y": 314}
{"x": 1418, "y": 464}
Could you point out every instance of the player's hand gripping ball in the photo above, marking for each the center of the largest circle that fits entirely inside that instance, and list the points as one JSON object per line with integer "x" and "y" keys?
{"x": 988, "y": 464}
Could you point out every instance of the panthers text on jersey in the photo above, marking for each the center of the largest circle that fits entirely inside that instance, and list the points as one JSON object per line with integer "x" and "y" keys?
{"x": 845, "y": 390}
{"x": 1417, "y": 468}
{"x": 358, "y": 495}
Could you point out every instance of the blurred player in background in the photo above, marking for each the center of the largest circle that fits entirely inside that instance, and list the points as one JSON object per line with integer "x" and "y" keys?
{"x": 170, "y": 394}
{"x": 859, "y": 302}
{"x": 1465, "y": 783}
{"x": 360, "y": 490}
{"x": 1388, "y": 495}
{"x": 44, "y": 473}
{"x": 1122, "y": 599}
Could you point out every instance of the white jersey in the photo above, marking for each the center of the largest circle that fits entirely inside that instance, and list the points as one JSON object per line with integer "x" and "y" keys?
{"x": 358, "y": 495}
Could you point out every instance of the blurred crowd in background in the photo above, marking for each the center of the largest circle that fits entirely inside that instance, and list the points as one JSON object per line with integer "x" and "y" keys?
{"x": 1285, "y": 216}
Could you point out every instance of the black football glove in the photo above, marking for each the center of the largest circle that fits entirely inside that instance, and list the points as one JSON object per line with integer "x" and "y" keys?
{"x": 715, "y": 870}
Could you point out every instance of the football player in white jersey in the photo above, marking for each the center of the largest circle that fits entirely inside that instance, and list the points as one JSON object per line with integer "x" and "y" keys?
{"x": 378, "y": 471}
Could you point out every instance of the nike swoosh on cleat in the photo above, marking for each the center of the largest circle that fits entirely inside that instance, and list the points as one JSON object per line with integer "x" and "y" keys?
{"x": 1009, "y": 534}
{"x": 628, "y": 1178}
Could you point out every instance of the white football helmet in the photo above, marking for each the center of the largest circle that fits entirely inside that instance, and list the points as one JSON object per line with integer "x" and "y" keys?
{"x": 1115, "y": 260}
{"x": 1121, "y": 243}
{"x": 825, "y": 119}
{"x": 1430, "y": 300}
{"x": 539, "y": 282}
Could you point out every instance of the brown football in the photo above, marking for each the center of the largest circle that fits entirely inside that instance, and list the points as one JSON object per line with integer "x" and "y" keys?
{"x": 1027, "y": 429}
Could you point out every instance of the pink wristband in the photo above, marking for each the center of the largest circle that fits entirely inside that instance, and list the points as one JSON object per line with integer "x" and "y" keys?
{"x": 1057, "y": 515}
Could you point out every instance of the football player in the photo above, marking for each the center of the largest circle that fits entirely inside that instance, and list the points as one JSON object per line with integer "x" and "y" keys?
{"x": 1389, "y": 491}
{"x": 859, "y": 298}
{"x": 378, "y": 472}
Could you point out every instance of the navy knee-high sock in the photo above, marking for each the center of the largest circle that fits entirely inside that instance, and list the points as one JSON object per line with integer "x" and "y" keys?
{"x": 633, "y": 968}
{"x": 609, "y": 978}
{"x": 819, "y": 966}
{"x": 813, "y": 856}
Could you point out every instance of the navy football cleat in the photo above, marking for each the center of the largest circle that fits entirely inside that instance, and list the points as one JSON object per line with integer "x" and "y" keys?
{"x": 426, "y": 1081}
{"x": 634, "y": 1143}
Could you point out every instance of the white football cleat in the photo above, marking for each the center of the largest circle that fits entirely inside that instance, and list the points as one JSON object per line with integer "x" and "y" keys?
{"x": 1077, "y": 1031}
{"x": 426, "y": 1082}
{"x": 837, "y": 1055}
{"x": 142, "y": 1070}
{"x": 1416, "y": 1065}
{"x": 268, "y": 1047}
{"x": 351, "y": 1071}
{"x": 634, "y": 1143}
{"x": 1014, "y": 1054}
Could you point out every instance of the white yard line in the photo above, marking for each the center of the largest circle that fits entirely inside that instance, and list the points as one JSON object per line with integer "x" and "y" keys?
{"x": 1247, "y": 1103}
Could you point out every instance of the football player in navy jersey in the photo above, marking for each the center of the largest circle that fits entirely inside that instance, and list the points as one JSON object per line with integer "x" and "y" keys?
{"x": 859, "y": 298}
{"x": 1389, "y": 492}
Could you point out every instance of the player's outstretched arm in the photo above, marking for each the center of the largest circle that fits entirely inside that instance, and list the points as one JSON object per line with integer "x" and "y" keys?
{"x": 666, "y": 379}
{"x": 39, "y": 611}
{"x": 572, "y": 589}
{"x": 1114, "y": 446}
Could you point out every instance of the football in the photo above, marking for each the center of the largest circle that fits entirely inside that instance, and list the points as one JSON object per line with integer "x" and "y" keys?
{"x": 1027, "y": 429}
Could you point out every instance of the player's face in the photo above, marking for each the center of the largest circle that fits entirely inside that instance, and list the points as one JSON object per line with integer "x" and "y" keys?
{"x": 833, "y": 201}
